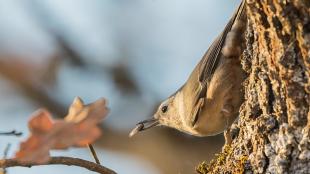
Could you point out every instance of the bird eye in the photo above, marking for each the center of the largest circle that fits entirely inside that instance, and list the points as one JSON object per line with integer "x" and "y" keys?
{"x": 164, "y": 109}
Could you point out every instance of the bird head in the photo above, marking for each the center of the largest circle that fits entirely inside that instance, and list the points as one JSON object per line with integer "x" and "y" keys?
{"x": 169, "y": 113}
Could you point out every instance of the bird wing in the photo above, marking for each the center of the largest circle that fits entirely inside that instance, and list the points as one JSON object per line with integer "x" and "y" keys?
{"x": 209, "y": 63}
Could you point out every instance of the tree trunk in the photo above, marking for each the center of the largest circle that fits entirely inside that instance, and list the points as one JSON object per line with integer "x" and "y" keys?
{"x": 272, "y": 134}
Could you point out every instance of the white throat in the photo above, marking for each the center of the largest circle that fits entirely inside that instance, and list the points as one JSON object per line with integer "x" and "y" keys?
{"x": 180, "y": 103}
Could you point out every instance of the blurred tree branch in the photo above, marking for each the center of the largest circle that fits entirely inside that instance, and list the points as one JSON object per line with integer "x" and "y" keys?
{"x": 23, "y": 78}
{"x": 120, "y": 72}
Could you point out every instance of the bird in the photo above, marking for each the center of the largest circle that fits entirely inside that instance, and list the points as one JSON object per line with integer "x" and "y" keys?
{"x": 209, "y": 101}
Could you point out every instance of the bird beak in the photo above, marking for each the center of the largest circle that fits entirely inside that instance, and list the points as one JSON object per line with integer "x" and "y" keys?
{"x": 144, "y": 125}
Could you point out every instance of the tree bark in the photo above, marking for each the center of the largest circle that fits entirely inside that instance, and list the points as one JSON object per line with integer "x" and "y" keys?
{"x": 272, "y": 134}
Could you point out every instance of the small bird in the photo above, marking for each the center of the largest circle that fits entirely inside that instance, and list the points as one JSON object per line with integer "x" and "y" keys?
{"x": 208, "y": 103}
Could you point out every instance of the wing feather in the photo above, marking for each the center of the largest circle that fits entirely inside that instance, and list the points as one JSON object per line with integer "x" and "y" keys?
{"x": 210, "y": 62}
{"x": 211, "y": 58}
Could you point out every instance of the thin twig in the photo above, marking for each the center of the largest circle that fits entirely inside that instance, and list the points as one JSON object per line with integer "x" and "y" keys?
{"x": 13, "y": 133}
{"x": 6, "y": 150}
{"x": 69, "y": 161}
{"x": 5, "y": 155}
{"x": 93, "y": 152}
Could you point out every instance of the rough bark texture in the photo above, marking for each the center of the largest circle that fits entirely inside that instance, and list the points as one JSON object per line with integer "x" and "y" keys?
{"x": 272, "y": 134}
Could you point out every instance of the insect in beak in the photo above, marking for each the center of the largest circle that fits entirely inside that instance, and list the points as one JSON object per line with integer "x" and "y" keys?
{"x": 144, "y": 125}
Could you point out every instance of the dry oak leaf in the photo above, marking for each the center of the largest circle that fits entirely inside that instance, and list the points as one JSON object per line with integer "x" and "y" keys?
{"x": 78, "y": 129}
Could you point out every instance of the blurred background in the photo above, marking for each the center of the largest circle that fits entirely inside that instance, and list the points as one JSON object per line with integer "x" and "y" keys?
{"x": 134, "y": 53}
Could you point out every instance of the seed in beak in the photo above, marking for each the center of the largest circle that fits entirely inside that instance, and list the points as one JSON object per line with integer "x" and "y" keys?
{"x": 137, "y": 129}
{"x": 143, "y": 125}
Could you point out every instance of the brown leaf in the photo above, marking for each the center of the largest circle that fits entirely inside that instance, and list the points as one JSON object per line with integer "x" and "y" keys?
{"x": 79, "y": 128}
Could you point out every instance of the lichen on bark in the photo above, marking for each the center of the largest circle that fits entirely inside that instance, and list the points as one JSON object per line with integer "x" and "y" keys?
{"x": 273, "y": 130}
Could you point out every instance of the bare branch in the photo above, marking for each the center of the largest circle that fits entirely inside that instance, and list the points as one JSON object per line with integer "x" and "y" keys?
{"x": 11, "y": 133}
{"x": 69, "y": 161}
